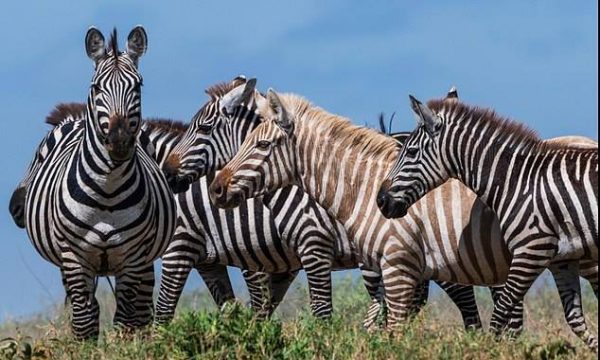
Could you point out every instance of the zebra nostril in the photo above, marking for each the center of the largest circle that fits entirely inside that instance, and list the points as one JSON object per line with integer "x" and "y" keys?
{"x": 218, "y": 190}
{"x": 381, "y": 198}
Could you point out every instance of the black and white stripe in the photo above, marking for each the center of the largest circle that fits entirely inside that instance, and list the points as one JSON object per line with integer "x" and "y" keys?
{"x": 98, "y": 204}
{"x": 545, "y": 195}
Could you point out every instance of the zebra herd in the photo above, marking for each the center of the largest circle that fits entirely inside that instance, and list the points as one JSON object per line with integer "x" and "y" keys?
{"x": 272, "y": 184}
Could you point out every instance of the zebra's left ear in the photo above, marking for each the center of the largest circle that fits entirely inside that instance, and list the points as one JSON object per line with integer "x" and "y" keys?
{"x": 137, "y": 43}
{"x": 425, "y": 116}
{"x": 281, "y": 115}
{"x": 239, "y": 95}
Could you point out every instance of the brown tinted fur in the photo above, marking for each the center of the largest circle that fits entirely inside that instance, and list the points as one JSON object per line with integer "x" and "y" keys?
{"x": 173, "y": 126}
{"x": 65, "y": 110}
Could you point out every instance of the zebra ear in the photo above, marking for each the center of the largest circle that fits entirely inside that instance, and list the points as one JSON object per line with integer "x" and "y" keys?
{"x": 239, "y": 95}
{"x": 137, "y": 43}
{"x": 281, "y": 115}
{"x": 95, "y": 44}
{"x": 425, "y": 116}
{"x": 452, "y": 95}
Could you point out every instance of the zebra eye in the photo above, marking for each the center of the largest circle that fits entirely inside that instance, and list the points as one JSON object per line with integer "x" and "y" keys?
{"x": 412, "y": 151}
{"x": 204, "y": 129}
{"x": 263, "y": 144}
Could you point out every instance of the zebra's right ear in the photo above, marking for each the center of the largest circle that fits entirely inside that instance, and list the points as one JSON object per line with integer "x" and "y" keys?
{"x": 95, "y": 45}
{"x": 425, "y": 116}
{"x": 282, "y": 118}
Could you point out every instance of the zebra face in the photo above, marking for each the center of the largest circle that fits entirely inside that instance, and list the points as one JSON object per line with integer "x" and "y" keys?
{"x": 418, "y": 168}
{"x": 114, "y": 101}
{"x": 264, "y": 163}
{"x": 214, "y": 134}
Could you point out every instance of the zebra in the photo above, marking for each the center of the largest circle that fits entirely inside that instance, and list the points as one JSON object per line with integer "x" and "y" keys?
{"x": 223, "y": 123}
{"x": 98, "y": 204}
{"x": 288, "y": 147}
{"x": 545, "y": 194}
{"x": 67, "y": 117}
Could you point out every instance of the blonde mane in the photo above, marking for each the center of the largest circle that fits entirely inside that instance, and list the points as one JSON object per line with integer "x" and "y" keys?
{"x": 340, "y": 129}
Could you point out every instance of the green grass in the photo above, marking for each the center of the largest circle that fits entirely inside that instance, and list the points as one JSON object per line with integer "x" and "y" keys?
{"x": 201, "y": 332}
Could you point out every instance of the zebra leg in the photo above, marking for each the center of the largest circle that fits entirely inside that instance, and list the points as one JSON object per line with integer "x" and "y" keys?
{"x": 128, "y": 282}
{"x": 516, "y": 318}
{"x": 280, "y": 283}
{"x": 374, "y": 286}
{"x": 526, "y": 265}
{"x": 464, "y": 298}
{"x": 144, "y": 308}
{"x": 174, "y": 275}
{"x": 400, "y": 280}
{"x": 420, "y": 297}
{"x": 589, "y": 271}
{"x": 566, "y": 276}
{"x": 259, "y": 288}
{"x": 80, "y": 288}
{"x": 217, "y": 281}
{"x": 318, "y": 274}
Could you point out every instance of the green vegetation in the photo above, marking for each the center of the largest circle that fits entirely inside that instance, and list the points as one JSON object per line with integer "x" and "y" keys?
{"x": 201, "y": 332}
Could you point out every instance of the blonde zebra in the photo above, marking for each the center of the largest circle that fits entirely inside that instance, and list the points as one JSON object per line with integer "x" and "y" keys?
{"x": 449, "y": 235}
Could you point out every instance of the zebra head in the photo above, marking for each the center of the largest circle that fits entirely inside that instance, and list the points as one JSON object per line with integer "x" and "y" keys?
{"x": 114, "y": 101}
{"x": 265, "y": 161}
{"x": 215, "y": 133}
{"x": 419, "y": 167}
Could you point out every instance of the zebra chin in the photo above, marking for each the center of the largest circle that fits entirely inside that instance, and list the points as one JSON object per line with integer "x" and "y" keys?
{"x": 16, "y": 207}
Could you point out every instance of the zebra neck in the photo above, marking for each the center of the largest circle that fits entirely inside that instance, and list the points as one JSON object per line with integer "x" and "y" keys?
{"x": 163, "y": 143}
{"x": 493, "y": 164}
{"x": 343, "y": 179}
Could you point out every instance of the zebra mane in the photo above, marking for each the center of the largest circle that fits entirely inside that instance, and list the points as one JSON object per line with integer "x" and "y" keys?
{"x": 518, "y": 131}
{"x": 66, "y": 111}
{"x": 167, "y": 125}
{"x": 363, "y": 139}
{"x": 218, "y": 90}
{"x": 114, "y": 45}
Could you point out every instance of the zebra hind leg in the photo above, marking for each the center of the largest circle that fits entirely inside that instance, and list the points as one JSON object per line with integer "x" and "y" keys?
{"x": 515, "y": 323}
{"x": 217, "y": 281}
{"x": 463, "y": 297}
{"x": 566, "y": 276}
{"x": 80, "y": 288}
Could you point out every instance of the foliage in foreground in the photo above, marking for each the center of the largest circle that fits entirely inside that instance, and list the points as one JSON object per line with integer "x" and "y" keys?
{"x": 234, "y": 333}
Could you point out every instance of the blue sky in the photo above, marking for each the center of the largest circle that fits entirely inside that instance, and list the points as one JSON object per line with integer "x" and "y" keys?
{"x": 535, "y": 61}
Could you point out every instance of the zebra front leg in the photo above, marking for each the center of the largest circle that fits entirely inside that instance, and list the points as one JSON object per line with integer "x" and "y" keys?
{"x": 128, "y": 283}
{"x": 318, "y": 274}
{"x": 527, "y": 264}
{"x": 259, "y": 289}
{"x": 175, "y": 272}
{"x": 400, "y": 280}
{"x": 374, "y": 286}
{"x": 515, "y": 323}
{"x": 566, "y": 276}
{"x": 80, "y": 288}
{"x": 589, "y": 270}
{"x": 144, "y": 309}
{"x": 217, "y": 281}
{"x": 463, "y": 297}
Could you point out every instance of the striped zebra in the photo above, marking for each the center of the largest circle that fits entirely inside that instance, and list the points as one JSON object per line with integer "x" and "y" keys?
{"x": 99, "y": 204}
{"x": 70, "y": 117}
{"x": 448, "y": 235}
{"x": 311, "y": 238}
{"x": 545, "y": 194}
